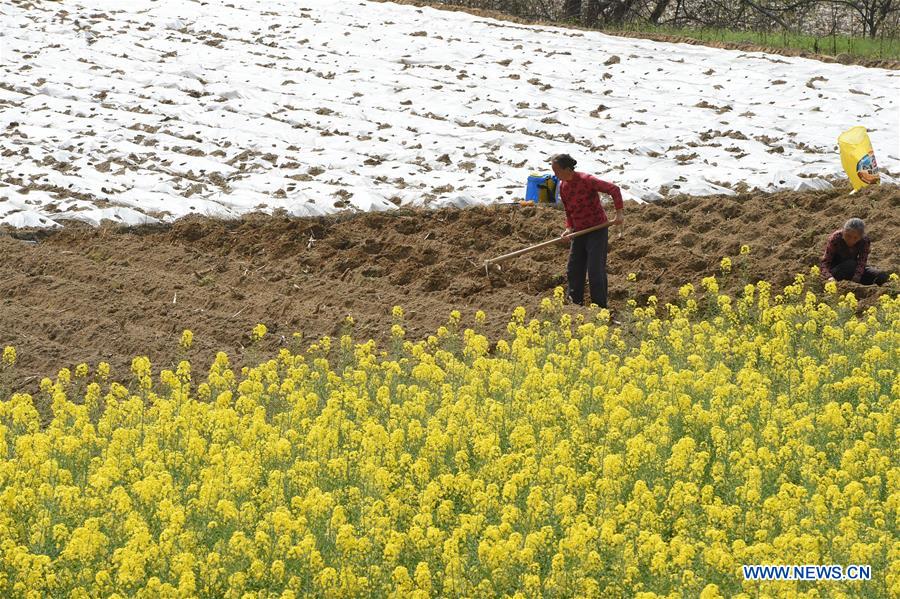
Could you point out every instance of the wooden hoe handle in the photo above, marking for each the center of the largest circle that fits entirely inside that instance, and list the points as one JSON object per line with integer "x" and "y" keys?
{"x": 538, "y": 246}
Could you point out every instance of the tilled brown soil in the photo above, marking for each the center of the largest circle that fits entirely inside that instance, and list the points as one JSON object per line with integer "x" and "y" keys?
{"x": 83, "y": 294}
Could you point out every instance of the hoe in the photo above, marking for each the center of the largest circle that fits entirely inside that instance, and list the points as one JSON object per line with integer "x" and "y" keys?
{"x": 495, "y": 262}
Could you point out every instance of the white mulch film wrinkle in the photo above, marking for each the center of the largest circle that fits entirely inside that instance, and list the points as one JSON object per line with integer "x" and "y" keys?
{"x": 143, "y": 111}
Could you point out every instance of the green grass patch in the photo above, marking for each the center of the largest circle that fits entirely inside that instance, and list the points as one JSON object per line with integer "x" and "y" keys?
{"x": 878, "y": 48}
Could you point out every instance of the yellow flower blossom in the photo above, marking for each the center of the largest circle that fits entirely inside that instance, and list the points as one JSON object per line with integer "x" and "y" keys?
{"x": 103, "y": 371}
{"x": 258, "y": 332}
{"x": 187, "y": 339}
{"x": 710, "y": 285}
{"x": 9, "y": 355}
{"x": 725, "y": 265}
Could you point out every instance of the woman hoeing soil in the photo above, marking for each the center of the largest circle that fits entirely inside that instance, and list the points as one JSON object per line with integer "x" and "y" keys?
{"x": 580, "y": 195}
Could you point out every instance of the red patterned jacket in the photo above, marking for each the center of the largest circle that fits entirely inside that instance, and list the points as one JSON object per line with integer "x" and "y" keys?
{"x": 582, "y": 204}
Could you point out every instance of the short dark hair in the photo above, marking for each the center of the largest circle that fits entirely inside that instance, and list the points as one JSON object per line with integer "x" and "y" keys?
{"x": 564, "y": 161}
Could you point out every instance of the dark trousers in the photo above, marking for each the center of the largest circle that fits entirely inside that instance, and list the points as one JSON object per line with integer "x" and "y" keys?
{"x": 844, "y": 272}
{"x": 588, "y": 256}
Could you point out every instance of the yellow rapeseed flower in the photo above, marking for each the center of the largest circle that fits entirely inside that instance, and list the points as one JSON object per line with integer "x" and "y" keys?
{"x": 725, "y": 265}
{"x": 568, "y": 458}
{"x": 187, "y": 339}
{"x": 9, "y": 355}
{"x": 710, "y": 285}
{"x": 258, "y": 332}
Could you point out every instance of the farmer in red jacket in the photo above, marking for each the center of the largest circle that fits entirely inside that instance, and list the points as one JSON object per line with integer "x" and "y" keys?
{"x": 580, "y": 195}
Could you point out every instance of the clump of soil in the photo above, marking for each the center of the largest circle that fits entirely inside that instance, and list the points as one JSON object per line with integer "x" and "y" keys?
{"x": 84, "y": 294}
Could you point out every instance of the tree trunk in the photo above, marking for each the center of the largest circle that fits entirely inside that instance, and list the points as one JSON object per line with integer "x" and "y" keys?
{"x": 658, "y": 10}
{"x": 678, "y": 5}
{"x": 573, "y": 10}
{"x": 620, "y": 10}
{"x": 593, "y": 11}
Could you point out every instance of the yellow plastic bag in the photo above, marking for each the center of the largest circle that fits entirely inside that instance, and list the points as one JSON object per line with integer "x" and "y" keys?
{"x": 547, "y": 191}
{"x": 541, "y": 189}
{"x": 858, "y": 158}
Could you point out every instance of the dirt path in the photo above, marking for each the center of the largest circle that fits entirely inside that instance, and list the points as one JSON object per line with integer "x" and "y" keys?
{"x": 84, "y": 294}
